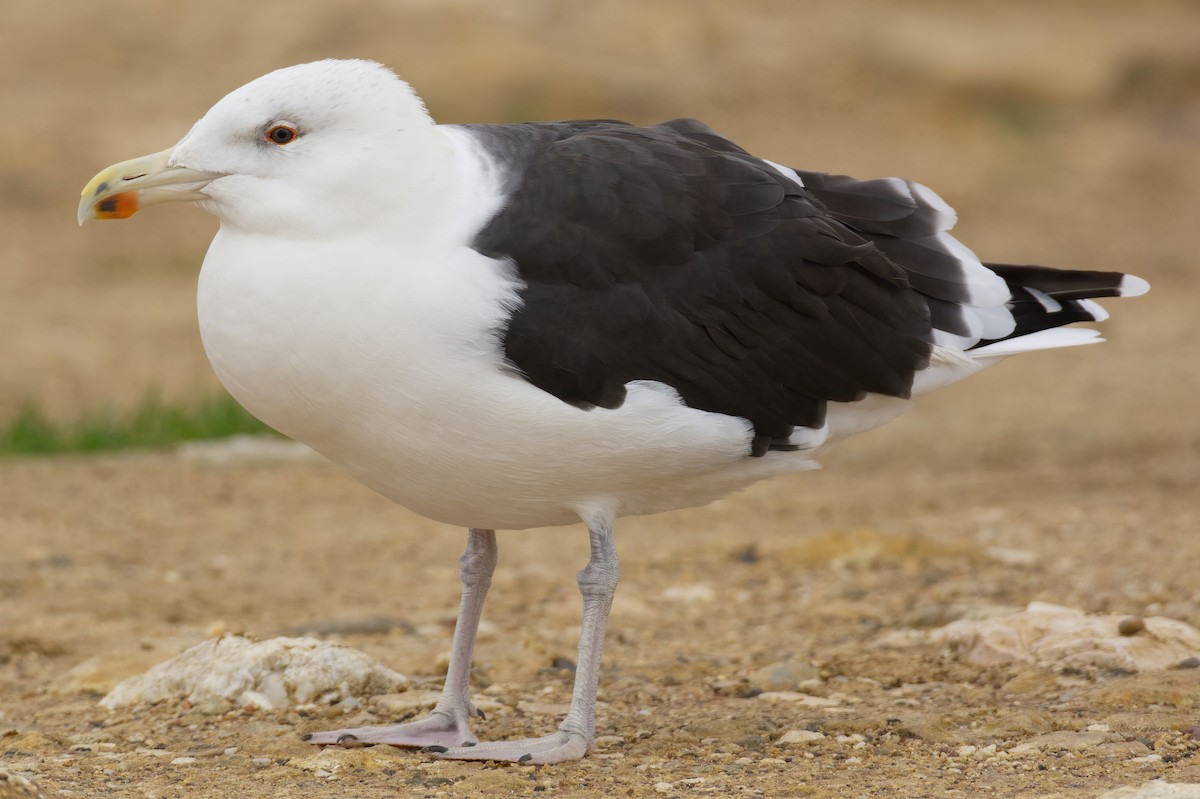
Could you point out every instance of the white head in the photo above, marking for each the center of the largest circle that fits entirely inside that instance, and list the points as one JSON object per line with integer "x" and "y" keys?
{"x": 299, "y": 150}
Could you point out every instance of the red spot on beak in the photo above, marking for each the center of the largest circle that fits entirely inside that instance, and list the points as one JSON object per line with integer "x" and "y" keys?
{"x": 118, "y": 206}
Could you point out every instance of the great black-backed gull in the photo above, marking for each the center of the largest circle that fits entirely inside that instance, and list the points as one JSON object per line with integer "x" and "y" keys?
{"x": 512, "y": 326}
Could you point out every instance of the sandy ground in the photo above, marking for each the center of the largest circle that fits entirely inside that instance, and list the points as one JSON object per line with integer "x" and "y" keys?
{"x": 1066, "y": 134}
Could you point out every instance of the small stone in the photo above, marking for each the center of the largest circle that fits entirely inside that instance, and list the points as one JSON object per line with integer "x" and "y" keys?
{"x": 1122, "y": 750}
{"x": 183, "y": 761}
{"x": 663, "y": 787}
{"x": 208, "y": 751}
{"x": 1131, "y": 625}
{"x": 609, "y": 741}
{"x": 799, "y": 698}
{"x": 800, "y": 737}
{"x": 1146, "y": 759}
{"x": 1189, "y": 663}
{"x": 787, "y": 675}
{"x": 1063, "y": 740}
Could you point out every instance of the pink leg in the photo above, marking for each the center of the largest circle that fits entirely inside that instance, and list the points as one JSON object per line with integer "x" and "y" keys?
{"x": 574, "y": 738}
{"x": 448, "y": 724}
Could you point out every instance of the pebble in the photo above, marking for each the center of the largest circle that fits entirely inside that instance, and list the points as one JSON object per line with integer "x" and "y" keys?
{"x": 663, "y": 787}
{"x": 786, "y": 675}
{"x": 142, "y": 750}
{"x": 1063, "y": 740}
{"x": 1131, "y": 625}
{"x": 209, "y": 751}
{"x": 800, "y": 737}
{"x": 798, "y": 698}
{"x": 183, "y": 761}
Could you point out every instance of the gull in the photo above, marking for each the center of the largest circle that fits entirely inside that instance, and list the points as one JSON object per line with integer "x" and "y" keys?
{"x": 512, "y": 326}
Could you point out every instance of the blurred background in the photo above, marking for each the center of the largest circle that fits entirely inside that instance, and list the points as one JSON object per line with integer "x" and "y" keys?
{"x": 1065, "y": 133}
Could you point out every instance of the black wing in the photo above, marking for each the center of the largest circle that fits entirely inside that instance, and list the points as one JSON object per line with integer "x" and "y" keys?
{"x": 668, "y": 253}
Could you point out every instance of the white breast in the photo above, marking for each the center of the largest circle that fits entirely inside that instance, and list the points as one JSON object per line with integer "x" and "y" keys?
{"x": 390, "y": 366}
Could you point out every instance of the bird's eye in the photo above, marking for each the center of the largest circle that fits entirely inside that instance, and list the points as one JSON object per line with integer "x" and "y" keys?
{"x": 282, "y": 134}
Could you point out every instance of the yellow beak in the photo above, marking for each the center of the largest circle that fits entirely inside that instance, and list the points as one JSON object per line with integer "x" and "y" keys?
{"x": 119, "y": 191}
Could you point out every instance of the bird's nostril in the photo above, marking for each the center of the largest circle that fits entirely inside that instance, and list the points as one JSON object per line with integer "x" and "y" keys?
{"x": 134, "y": 177}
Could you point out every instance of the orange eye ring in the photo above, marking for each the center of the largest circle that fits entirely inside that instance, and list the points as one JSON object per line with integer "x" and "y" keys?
{"x": 282, "y": 134}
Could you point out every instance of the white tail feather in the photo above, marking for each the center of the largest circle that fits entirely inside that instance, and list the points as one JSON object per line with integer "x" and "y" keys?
{"x": 1041, "y": 340}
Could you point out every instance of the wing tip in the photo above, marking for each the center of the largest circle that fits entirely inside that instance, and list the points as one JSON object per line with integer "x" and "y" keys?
{"x": 1132, "y": 286}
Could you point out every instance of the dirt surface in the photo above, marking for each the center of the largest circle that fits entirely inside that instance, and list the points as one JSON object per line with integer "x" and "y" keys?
{"x": 1064, "y": 133}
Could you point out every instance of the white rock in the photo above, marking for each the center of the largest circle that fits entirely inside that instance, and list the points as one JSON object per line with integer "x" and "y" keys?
{"x": 272, "y": 674}
{"x": 1066, "y": 638}
{"x": 800, "y": 737}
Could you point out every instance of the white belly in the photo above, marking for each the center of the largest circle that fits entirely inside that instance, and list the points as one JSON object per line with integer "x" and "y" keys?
{"x": 393, "y": 371}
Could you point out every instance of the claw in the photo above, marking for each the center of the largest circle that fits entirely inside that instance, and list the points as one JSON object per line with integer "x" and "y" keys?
{"x": 525, "y": 758}
{"x": 347, "y": 738}
{"x": 306, "y": 736}
{"x": 481, "y": 714}
{"x": 435, "y": 749}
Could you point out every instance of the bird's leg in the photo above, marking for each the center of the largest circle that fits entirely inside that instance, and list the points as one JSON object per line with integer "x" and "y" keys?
{"x": 575, "y": 735}
{"x": 448, "y": 724}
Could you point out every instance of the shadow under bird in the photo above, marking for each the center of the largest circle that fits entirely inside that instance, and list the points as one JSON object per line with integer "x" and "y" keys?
{"x": 513, "y": 326}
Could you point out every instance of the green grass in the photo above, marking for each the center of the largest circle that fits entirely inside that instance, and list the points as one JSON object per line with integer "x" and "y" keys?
{"x": 153, "y": 424}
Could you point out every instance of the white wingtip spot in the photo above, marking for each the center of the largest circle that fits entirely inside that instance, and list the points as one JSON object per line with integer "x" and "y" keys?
{"x": 1095, "y": 309}
{"x": 1133, "y": 286}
